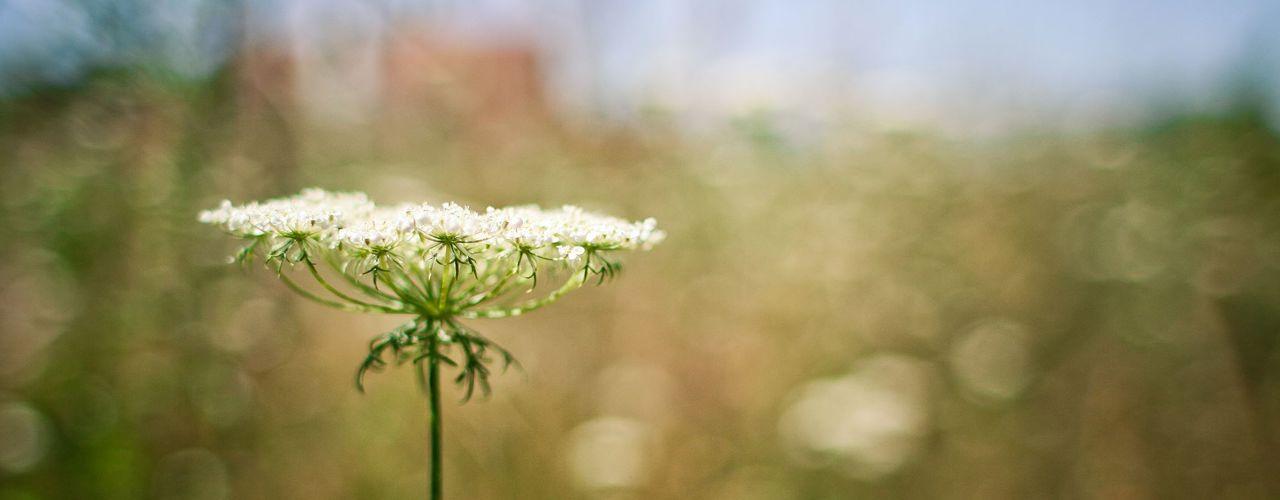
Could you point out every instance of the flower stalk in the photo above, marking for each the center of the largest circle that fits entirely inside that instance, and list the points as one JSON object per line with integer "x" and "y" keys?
{"x": 437, "y": 422}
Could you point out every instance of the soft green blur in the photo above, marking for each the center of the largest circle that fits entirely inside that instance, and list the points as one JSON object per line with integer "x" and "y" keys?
{"x": 874, "y": 315}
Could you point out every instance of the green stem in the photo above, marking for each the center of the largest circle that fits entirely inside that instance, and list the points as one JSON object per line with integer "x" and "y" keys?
{"x": 446, "y": 279}
{"x": 573, "y": 284}
{"x": 437, "y": 419}
{"x": 412, "y": 295}
{"x": 341, "y": 270}
{"x": 311, "y": 296}
{"x": 498, "y": 289}
{"x": 315, "y": 273}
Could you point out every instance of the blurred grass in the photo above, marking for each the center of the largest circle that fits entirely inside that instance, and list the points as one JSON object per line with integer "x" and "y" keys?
{"x": 1091, "y": 315}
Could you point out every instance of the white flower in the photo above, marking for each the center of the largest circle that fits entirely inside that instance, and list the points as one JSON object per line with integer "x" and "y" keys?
{"x": 437, "y": 263}
{"x": 403, "y": 244}
{"x": 334, "y": 218}
{"x": 308, "y": 214}
{"x": 370, "y": 235}
{"x": 571, "y": 253}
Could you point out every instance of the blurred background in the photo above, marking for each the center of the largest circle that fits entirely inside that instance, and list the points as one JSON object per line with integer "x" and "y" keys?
{"x": 973, "y": 249}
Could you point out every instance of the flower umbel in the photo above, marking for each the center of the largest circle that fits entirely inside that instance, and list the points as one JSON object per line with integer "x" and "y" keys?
{"x": 437, "y": 263}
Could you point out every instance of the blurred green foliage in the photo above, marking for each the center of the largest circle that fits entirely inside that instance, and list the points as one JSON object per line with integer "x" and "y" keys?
{"x": 1049, "y": 315}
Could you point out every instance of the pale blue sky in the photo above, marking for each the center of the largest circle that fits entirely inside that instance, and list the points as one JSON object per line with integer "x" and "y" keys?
{"x": 615, "y": 57}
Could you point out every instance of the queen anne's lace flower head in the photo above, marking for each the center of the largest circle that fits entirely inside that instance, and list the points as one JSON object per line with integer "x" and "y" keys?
{"x": 350, "y": 222}
{"x": 439, "y": 263}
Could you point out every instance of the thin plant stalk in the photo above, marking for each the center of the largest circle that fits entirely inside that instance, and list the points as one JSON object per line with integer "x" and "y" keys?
{"x": 437, "y": 423}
